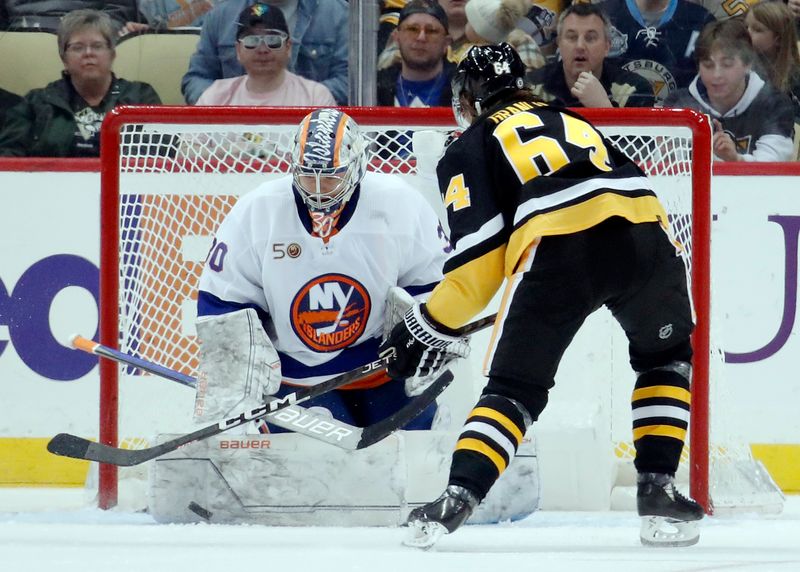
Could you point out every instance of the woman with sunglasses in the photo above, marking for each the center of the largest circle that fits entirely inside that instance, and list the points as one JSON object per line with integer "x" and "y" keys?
{"x": 263, "y": 47}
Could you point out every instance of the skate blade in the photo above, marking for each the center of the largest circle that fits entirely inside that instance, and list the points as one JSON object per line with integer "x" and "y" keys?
{"x": 667, "y": 532}
{"x": 423, "y": 534}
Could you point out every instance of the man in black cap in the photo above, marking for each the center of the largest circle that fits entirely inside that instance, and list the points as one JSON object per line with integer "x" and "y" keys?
{"x": 422, "y": 78}
{"x": 318, "y": 28}
{"x": 263, "y": 48}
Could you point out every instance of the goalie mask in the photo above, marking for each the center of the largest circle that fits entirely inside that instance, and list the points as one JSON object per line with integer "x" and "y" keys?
{"x": 328, "y": 159}
{"x": 485, "y": 73}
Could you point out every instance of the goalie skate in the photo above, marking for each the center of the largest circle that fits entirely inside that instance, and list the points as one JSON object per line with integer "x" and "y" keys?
{"x": 668, "y": 517}
{"x": 428, "y": 523}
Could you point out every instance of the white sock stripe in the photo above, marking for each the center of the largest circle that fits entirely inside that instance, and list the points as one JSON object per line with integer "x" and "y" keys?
{"x": 492, "y": 434}
{"x": 671, "y": 411}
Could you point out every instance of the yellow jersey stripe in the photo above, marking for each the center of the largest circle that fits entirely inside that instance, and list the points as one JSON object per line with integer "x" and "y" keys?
{"x": 500, "y": 418}
{"x": 502, "y": 312}
{"x": 484, "y": 449}
{"x": 581, "y": 216}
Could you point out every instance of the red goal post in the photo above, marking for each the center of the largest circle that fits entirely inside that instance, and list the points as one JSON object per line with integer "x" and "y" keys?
{"x": 133, "y": 128}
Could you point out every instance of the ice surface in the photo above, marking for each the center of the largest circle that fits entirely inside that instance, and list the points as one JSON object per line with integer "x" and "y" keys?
{"x": 45, "y": 530}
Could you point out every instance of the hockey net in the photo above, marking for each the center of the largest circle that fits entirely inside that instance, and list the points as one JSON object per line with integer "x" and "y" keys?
{"x": 170, "y": 175}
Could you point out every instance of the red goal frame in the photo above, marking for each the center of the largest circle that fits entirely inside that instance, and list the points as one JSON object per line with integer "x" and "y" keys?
{"x": 699, "y": 125}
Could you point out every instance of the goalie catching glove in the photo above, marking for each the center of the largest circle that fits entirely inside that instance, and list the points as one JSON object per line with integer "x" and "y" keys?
{"x": 421, "y": 346}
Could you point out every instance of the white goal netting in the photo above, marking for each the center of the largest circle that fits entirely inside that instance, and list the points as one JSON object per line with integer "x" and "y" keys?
{"x": 175, "y": 173}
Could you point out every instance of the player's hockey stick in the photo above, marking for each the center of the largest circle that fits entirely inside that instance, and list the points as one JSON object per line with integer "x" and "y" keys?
{"x": 92, "y": 347}
{"x": 294, "y": 418}
{"x": 68, "y": 445}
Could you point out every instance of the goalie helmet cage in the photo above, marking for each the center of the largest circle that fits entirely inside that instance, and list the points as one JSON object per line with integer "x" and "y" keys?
{"x": 142, "y": 290}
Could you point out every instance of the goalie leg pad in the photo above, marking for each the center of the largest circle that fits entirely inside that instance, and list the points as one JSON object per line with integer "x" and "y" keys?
{"x": 238, "y": 364}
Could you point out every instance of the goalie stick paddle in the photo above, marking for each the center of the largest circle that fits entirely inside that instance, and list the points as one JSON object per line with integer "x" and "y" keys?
{"x": 296, "y": 419}
{"x": 68, "y": 445}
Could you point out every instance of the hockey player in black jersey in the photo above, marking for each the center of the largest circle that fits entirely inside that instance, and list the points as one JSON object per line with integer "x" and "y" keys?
{"x": 537, "y": 197}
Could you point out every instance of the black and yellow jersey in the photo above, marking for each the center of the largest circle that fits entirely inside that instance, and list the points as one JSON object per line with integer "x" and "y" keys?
{"x": 520, "y": 172}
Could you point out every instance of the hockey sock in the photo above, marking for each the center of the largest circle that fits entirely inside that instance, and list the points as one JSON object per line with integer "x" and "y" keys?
{"x": 660, "y": 405}
{"x": 489, "y": 440}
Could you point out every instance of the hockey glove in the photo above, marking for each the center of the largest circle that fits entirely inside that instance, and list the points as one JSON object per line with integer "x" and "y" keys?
{"x": 421, "y": 346}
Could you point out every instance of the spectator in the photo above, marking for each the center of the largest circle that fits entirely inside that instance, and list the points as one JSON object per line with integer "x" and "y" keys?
{"x": 774, "y": 38}
{"x": 422, "y": 78}
{"x": 455, "y": 10}
{"x": 752, "y": 120}
{"x": 63, "y": 119}
{"x": 583, "y": 77}
{"x": 47, "y": 14}
{"x": 724, "y": 9}
{"x": 7, "y": 101}
{"x": 655, "y": 38}
{"x": 794, "y": 8}
{"x": 319, "y": 45}
{"x": 495, "y": 21}
{"x": 491, "y": 21}
{"x": 540, "y": 24}
{"x": 167, "y": 14}
{"x": 263, "y": 47}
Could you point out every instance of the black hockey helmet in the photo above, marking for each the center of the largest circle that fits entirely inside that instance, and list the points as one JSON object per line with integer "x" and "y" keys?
{"x": 485, "y": 73}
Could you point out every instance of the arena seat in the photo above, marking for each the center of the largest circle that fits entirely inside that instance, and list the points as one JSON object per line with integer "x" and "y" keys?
{"x": 158, "y": 58}
{"x": 28, "y": 59}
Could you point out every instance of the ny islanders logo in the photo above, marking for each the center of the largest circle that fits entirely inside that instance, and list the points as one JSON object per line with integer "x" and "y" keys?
{"x": 330, "y": 312}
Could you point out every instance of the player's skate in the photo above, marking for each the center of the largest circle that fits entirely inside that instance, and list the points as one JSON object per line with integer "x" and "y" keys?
{"x": 668, "y": 517}
{"x": 428, "y": 523}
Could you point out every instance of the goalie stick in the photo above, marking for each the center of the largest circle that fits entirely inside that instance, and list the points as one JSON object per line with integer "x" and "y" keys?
{"x": 68, "y": 445}
{"x": 295, "y": 418}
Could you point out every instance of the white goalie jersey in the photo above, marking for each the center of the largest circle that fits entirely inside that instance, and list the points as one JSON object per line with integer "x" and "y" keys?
{"x": 322, "y": 304}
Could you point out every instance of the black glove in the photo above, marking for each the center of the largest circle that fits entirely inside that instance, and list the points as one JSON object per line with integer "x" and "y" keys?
{"x": 420, "y": 345}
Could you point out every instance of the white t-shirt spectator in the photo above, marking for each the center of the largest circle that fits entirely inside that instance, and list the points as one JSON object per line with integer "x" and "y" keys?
{"x": 295, "y": 91}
